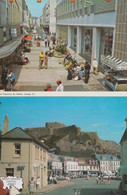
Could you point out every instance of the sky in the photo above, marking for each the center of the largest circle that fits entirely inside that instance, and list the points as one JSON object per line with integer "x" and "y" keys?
{"x": 104, "y": 115}
{"x": 36, "y": 8}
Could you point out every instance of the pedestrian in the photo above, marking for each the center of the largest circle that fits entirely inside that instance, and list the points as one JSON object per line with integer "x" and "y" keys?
{"x": 46, "y": 60}
{"x": 48, "y": 39}
{"x": 38, "y": 183}
{"x": 87, "y": 72}
{"x": 48, "y": 88}
{"x": 41, "y": 60}
{"x": 95, "y": 66}
{"x": 3, "y": 78}
{"x": 97, "y": 180}
{"x": 45, "y": 41}
{"x": 109, "y": 180}
{"x": 10, "y": 80}
{"x": 31, "y": 185}
{"x": 60, "y": 86}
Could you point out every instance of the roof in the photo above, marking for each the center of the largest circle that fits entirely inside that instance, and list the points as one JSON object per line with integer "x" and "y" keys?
{"x": 106, "y": 157}
{"x": 19, "y": 134}
{"x": 124, "y": 137}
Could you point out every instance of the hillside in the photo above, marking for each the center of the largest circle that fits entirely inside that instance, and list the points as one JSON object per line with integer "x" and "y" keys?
{"x": 69, "y": 140}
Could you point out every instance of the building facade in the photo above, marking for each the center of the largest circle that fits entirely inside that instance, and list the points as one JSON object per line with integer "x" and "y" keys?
{"x": 88, "y": 26}
{"x": 23, "y": 156}
{"x": 120, "y": 48}
{"x": 49, "y": 16}
{"x": 108, "y": 163}
{"x": 87, "y": 165}
{"x": 5, "y": 21}
{"x": 123, "y": 168}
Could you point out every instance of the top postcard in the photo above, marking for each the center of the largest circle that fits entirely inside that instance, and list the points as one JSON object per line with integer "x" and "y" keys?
{"x": 63, "y": 45}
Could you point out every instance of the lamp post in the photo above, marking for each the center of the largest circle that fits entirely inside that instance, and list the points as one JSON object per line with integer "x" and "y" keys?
{"x": 21, "y": 167}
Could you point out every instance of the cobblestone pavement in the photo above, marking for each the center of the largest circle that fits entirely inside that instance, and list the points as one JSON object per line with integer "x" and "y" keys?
{"x": 30, "y": 78}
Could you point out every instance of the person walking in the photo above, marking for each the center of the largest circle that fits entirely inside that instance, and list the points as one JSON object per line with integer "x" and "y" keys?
{"x": 45, "y": 41}
{"x": 46, "y": 60}
{"x": 109, "y": 180}
{"x": 10, "y": 80}
{"x": 41, "y": 60}
{"x": 60, "y": 86}
{"x": 48, "y": 39}
{"x": 95, "y": 66}
{"x": 87, "y": 72}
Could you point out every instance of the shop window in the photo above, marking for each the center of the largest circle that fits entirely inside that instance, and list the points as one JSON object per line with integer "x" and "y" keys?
{"x": 9, "y": 172}
{"x": 17, "y": 150}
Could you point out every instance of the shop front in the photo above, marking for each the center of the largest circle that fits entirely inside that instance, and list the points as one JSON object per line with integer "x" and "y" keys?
{"x": 86, "y": 46}
{"x": 106, "y": 44}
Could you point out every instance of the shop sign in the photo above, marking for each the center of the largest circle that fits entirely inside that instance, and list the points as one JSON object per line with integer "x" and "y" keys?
{"x": 12, "y": 181}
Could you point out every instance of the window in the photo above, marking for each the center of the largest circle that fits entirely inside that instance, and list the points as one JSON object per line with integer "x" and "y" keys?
{"x": 36, "y": 152}
{"x": 17, "y": 149}
{"x": 9, "y": 172}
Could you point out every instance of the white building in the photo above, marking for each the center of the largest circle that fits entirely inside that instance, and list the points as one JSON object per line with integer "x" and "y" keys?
{"x": 108, "y": 162}
{"x": 49, "y": 16}
{"x": 70, "y": 167}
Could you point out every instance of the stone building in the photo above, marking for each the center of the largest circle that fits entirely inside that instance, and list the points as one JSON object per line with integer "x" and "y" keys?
{"x": 22, "y": 156}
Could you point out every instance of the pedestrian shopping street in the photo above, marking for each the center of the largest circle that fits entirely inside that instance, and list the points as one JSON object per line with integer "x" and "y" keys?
{"x": 30, "y": 78}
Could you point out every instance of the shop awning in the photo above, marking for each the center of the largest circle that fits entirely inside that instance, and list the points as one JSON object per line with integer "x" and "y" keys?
{"x": 123, "y": 170}
{"x": 27, "y": 37}
{"x": 10, "y": 47}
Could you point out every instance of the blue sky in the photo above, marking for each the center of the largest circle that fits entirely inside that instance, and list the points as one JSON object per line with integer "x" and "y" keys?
{"x": 105, "y": 115}
{"x": 36, "y": 8}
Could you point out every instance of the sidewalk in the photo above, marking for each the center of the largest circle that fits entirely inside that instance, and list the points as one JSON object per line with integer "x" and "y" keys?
{"x": 30, "y": 78}
{"x": 50, "y": 187}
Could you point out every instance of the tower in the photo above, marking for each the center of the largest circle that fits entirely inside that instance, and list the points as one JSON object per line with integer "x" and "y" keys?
{"x": 6, "y": 124}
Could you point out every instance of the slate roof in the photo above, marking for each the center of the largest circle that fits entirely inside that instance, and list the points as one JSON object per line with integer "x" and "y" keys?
{"x": 106, "y": 157}
{"x": 19, "y": 134}
{"x": 124, "y": 137}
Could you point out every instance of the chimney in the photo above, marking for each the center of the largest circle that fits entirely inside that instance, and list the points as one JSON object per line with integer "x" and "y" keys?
{"x": 126, "y": 122}
{"x": 6, "y": 124}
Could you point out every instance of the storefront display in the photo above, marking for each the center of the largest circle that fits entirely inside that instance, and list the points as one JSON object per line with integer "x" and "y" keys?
{"x": 106, "y": 42}
{"x": 115, "y": 73}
